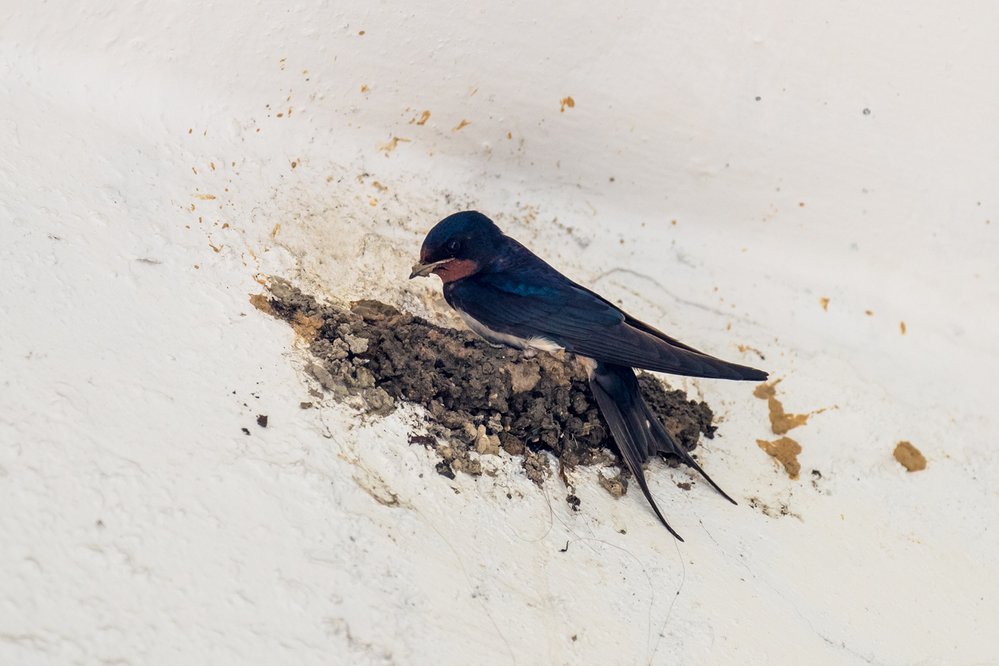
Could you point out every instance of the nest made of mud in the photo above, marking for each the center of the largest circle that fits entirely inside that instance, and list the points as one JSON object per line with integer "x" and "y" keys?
{"x": 478, "y": 398}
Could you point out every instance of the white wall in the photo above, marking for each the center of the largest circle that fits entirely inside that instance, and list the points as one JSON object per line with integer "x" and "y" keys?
{"x": 140, "y": 524}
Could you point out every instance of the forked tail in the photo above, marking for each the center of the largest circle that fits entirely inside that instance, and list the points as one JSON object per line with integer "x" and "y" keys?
{"x": 635, "y": 428}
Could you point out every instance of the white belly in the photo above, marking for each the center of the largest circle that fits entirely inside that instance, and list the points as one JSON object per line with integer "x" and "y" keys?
{"x": 535, "y": 343}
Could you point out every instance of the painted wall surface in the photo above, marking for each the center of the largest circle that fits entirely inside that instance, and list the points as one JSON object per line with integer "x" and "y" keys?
{"x": 720, "y": 169}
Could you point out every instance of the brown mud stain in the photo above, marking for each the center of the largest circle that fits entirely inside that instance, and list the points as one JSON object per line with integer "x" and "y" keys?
{"x": 306, "y": 326}
{"x": 909, "y": 457}
{"x": 460, "y": 126}
{"x": 422, "y": 120}
{"x": 785, "y": 451}
{"x": 780, "y": 421}
{"x": 901, "y": 327}
{"x": 824, "y": 302}
{"x": 747, "y": 348}
{"x": 262, "y": 303}
{"x": 392, "y": 144}
{"x": 566, "y": 103}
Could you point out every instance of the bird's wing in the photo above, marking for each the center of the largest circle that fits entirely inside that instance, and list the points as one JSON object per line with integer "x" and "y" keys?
{"x": 552, "y": 307}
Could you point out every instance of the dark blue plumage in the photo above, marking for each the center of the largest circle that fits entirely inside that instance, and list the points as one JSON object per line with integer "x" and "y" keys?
{"x": 509, "y": 295}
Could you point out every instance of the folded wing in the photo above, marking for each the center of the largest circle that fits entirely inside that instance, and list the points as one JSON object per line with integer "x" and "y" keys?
{"x": 553, "y": 307}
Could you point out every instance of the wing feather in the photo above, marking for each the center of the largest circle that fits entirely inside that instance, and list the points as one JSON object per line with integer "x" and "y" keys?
{"x": 551, "y": 306}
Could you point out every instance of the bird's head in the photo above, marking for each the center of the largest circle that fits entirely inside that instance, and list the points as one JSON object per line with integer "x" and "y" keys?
{"x": 458, "y": 246}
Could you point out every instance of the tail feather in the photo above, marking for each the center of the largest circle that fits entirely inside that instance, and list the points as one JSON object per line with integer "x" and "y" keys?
{"x": 635, "y": 428}
{"x": 669, "y": 445}
{"x": 632, "y": 439}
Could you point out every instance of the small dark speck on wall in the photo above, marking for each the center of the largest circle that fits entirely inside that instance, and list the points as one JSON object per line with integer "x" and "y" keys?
{"x": 262, "y": 420}
{"x": 867, "y": 112}
{"x": 246, "y": 431}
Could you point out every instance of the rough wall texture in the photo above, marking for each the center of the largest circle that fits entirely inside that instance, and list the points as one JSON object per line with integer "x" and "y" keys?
{"x": 810, "y": 184}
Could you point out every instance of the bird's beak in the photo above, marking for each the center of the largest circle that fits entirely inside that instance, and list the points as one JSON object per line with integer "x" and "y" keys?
{"x": 423, "y": 270}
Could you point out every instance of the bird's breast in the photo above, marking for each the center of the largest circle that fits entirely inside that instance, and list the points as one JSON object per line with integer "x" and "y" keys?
{"x": 538, "y": 343}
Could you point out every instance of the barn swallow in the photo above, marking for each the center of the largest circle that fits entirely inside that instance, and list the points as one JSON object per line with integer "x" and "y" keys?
{"x": 510, "y": 296}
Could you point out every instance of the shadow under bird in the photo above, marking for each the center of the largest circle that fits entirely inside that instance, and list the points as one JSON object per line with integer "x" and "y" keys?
{"x": 510, "y": 296}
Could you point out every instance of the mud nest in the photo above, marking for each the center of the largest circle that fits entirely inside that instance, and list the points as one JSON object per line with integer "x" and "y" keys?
{"x": 478, "y": 398}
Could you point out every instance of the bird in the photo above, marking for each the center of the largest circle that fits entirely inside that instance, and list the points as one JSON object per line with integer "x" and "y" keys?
{"x": 508, "y": 295}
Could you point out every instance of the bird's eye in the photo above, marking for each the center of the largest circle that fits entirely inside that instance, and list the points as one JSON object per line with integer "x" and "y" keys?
{"x": 453, "y": 245}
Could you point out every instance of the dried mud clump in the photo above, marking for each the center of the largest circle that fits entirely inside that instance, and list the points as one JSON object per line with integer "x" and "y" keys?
{"x": 479, "y": 398}
{"x": 785, "y": 451}
{"x": 909, "y": 457}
